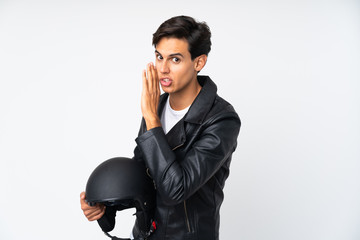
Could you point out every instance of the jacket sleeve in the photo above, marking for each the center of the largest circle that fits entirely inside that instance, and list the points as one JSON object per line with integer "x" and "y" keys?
{"x": 178, "y": 180}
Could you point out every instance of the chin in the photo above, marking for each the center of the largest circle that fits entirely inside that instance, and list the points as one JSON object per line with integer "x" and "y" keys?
{"x": 166, "y": 90}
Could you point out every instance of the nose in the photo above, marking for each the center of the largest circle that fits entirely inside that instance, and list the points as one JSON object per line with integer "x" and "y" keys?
{"x": 163, "y": 67}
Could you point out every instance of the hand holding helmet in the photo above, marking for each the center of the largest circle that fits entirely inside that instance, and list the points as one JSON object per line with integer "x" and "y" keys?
{"x": 120, "y": 183}
{"x": 92, "y": 213}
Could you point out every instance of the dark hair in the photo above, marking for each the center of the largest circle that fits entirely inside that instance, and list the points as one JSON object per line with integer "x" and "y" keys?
{"x": 196, "y": 33}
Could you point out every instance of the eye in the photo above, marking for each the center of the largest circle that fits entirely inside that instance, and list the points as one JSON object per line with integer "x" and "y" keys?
{"x": 159, "y": 57}
{"x": 176, "y": 60}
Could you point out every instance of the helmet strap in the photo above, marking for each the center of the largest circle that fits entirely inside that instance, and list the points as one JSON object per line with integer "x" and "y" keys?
{"x": 115, "y": 238}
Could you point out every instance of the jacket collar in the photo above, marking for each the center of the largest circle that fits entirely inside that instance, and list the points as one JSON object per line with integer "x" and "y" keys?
{"x": 203, "y": 102}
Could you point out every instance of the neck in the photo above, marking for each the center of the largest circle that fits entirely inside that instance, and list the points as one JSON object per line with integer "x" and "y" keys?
{"x": 182, "y": 100}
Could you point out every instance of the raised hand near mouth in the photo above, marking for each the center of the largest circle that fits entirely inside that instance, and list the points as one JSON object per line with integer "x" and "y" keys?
{"x": 150, "y": 97}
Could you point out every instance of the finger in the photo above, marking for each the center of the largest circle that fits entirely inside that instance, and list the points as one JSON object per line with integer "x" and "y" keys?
{"x": 89, "y": 211}
{"x": 144, "y": 80}
{"x": 92, "y": 212}
{"x": 155, "y": 79}
{"x": 150, "y": 77}
{"x": 96, "y": 217}
{"x": 85, "y": 206}
{"x": 96, "y": 214}
{"x": 82, "y": 195}
{"x": 82, "y": 200}
{"x": 156, "y": 75}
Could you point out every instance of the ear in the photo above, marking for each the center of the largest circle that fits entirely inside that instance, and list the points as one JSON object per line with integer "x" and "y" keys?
{"x": 200, "y": 62}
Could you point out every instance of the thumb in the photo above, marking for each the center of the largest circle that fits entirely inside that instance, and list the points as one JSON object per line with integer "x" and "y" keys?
{"x": 82, "y": 195}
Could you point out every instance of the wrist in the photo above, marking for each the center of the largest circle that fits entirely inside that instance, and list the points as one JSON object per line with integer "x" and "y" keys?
{"x": 152, "y": 123}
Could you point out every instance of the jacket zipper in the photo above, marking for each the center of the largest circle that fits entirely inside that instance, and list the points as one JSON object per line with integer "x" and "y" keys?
{"x": 177, "y": 146}
{"x": 187, "y": 217}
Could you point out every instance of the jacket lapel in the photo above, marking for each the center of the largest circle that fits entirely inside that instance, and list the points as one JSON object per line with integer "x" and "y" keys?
{"x": 176, "y": 136}
{"x": 203, "y": 102}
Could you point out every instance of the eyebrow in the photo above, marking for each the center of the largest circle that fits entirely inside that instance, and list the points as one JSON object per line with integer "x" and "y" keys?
{"x": 171, "y": 55}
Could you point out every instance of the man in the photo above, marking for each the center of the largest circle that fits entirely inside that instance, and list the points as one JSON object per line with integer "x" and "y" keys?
{"x": 186, "y": 138}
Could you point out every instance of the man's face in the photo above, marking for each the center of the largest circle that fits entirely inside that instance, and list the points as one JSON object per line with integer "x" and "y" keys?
{"x": 176, "y": 70}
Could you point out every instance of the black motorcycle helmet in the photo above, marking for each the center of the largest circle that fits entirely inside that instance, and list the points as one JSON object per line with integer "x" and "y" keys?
{"x": 123, "y": 183}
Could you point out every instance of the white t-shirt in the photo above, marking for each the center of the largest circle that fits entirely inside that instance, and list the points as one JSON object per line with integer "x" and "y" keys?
{"x": 170, "y": 117}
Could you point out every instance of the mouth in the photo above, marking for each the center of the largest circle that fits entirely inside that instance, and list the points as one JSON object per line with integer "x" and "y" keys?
{"x": 165, "y": 82}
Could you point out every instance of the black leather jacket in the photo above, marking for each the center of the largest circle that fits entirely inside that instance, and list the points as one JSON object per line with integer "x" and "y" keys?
{"x": 189, "y": 166}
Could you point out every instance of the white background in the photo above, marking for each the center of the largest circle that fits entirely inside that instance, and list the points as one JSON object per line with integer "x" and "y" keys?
{"x": 70, "y": 83}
